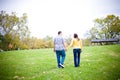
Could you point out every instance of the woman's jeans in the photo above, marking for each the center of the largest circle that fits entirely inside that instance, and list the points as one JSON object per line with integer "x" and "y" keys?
{"x": 60, "y": 55}
{"x": 76, "y": 53}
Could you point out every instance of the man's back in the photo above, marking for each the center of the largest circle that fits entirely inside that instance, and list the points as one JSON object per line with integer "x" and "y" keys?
{"x": 59, "y": 43}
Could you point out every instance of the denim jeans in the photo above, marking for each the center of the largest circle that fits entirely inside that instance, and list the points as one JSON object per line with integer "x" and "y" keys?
{"x": 60, "y": 55}
{"x": 76, "y": 53}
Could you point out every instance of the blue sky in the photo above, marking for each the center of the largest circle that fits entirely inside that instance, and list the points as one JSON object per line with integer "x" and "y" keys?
{"x": 46, "y": 17}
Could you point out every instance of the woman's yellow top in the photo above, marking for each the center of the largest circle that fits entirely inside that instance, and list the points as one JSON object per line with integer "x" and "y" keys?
{"x": 75, "y": 43}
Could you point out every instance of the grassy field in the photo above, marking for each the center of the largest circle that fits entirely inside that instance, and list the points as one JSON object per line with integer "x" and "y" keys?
{"x": 97, "y": 63}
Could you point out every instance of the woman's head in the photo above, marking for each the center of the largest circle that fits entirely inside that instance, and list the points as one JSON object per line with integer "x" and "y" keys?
{"x": 76, "y": 36}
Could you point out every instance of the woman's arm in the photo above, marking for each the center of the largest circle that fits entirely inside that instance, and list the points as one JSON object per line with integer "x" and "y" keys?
{"x": 81, "y": 43}
{"x": 71, "y": 44}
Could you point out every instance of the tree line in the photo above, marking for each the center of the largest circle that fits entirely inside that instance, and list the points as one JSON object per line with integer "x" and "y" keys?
{"x": 15, "y": 33}
{"x": 105, "y": 28}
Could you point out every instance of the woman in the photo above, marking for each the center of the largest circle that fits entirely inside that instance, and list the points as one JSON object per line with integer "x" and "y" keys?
{"x": 77, "y": 47}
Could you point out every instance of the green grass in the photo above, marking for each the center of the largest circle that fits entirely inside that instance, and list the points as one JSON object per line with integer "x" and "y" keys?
{"x": 97, "y": 63}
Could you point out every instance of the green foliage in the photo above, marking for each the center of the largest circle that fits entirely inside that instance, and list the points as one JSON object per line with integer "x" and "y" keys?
{"x": 105, "y": 28}
{"x": 14, "y": 30}
{"x": 97, "y": 63}
{"x": 68, "y": 39}
{"x": 7, "y": 22}
{"x": 49, "y": 41}
{"x": 86, "y": 42}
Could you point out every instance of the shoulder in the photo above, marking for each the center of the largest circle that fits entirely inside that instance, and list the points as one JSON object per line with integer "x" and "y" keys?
{"x": 73, "y": 40}
{"x": 55, "y": 37}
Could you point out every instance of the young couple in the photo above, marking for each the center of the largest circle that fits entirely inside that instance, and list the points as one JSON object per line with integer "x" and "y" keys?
{"x": 60, "y": 47}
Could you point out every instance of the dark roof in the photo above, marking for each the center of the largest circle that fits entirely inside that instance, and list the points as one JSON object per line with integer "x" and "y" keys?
{"x": 105, "y": 40}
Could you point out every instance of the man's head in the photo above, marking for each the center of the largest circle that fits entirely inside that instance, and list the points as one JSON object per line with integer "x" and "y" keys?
{"x": 59, "y": 32}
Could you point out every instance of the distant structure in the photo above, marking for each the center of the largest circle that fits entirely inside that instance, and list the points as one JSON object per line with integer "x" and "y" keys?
{"x": 101, "y": 41}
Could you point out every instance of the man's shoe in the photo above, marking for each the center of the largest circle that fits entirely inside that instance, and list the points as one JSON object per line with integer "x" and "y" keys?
{"x": 62, "y": 65}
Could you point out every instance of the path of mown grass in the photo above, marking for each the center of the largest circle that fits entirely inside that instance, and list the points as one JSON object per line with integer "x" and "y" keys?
{"x": 97, "y": 63}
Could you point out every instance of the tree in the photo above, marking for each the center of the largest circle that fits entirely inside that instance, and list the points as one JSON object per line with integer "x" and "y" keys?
{"x": 7, "y": 22}
{"x": 23, "y": 31}
{"x": 36, "y": 43}
{"x": 49, "y": 41}
{"x": 68, "y": 40}
{"x": 13, "y": 30}
{"x": 109, "y": 27}
{"x": 105, "y": 28}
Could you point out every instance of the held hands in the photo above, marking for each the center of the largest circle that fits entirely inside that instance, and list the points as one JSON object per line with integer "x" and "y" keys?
{"x": 67, "y": 48}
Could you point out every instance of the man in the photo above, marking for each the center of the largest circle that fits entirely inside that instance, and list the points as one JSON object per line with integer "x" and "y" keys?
{"x": 59, "y": 48}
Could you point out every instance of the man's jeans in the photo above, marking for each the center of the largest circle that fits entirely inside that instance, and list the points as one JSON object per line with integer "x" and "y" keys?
{"x": 60, "y": 55}
{"x": 76, "y": 53}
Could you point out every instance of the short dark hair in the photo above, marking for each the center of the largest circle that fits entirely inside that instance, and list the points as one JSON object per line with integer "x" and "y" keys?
{"x": 59, "y": 32}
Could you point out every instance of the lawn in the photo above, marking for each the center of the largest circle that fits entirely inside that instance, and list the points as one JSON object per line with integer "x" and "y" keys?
{"x": 97, "y": 63}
